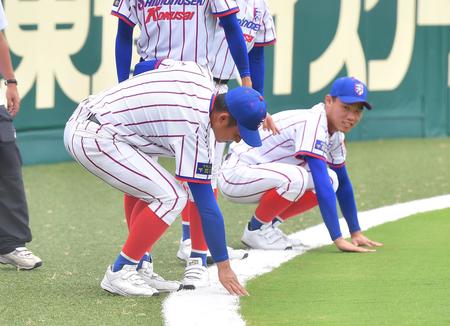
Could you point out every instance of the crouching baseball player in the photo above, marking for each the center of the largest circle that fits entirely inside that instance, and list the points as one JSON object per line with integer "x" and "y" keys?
{"x": 164, "y": 112}
{"x": 299, "y": 168}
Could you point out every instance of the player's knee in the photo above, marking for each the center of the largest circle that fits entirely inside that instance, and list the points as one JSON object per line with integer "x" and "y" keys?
{"x": 179, "y": 203}
{"x": 171, "y": 207}
{"x": 297, "y": 185}
{"x": 334, "y": 179}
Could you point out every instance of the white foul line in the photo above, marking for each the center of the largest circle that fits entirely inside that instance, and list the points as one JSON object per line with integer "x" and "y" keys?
{"x": 214, "y": 306}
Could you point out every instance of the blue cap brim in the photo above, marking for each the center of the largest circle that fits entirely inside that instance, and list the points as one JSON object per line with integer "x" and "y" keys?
{"x": 351, "y": 100}
{"x": 250, "y": 137}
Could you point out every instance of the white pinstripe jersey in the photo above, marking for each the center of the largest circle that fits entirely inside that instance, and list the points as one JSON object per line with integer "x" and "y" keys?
{"x": 163, "y": 112}
{"x": 301, "y": 132}
{"x": 258, "y": 28}
{"x": 175, "y": 29}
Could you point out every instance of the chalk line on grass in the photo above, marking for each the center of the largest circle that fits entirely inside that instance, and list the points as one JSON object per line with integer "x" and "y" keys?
{"x": 214, "y": 306}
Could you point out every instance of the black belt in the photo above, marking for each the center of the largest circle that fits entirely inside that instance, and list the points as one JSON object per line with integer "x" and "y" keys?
{"x": 221, "y": 81}
{"x": 93, "y": 119}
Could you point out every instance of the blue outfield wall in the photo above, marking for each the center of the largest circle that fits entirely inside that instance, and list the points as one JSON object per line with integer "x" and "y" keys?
{"x": 401, "y": 49}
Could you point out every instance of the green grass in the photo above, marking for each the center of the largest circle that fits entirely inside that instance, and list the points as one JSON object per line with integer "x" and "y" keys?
{"x": 79, "y": 228}
{"x": 404, "y": 283}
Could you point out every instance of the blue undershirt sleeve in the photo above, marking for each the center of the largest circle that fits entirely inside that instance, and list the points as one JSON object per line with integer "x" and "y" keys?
{"x": 256, "y": 61}
{"x": 346, "y": 199}
{"x": 145, "y": 66}
{"x": 124, "y": 46}
{"x": 236, "y": 43}
{"x": 325, "y": 195}
{"x": 212, "y": 220}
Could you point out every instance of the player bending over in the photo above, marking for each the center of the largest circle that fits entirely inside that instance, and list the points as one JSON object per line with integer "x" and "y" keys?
{"x": 165, "y": 112}
{"x": 299, "y": 168}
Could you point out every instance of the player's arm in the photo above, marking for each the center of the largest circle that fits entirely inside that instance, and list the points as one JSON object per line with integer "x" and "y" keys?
{"x": 257, "y": 71}
{"x": 123, "y": 51}
{"x": 347, "y": 203}
{"x": 327, "y": 204}
{"x": 214, "y": 232}
{"x": 237, "y": 46}
{"x": 257, "y": 68}
{"x": 6, "y": 70}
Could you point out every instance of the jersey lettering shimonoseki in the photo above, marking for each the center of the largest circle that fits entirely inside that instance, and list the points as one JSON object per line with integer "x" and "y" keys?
{"x": 258, "y": 28}
{"x": 181, "y": 29}
{"x": 302, "y": 132}
{"x": 164, "y": 112}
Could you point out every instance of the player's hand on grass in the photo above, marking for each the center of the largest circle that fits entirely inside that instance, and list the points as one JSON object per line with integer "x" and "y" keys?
{"x": 229, "y": 280}
{"x": 346, "y": 246}
{"x": 359, "y": 239}
{"x": 269, "y": 124}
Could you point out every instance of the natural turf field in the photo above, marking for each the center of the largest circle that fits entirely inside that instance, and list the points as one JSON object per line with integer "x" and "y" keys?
{"x": 404, "y": 283}
{"x": 78, "y": 227}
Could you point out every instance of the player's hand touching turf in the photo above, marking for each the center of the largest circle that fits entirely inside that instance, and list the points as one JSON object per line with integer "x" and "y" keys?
{"x": 229, "y": 279}
{"x": 346, "y": 246}
{"x": 269, "y": 124}
{"x": 359, "y": 239}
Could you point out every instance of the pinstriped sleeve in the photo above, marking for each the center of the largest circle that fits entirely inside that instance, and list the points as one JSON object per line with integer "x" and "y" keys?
{"x": 125, "y": 10}
{"x": 337, "y": 154}
{"x": 266, "y": 34}
{"x": 312, "y": 136}
{"x": 220, "y": 8}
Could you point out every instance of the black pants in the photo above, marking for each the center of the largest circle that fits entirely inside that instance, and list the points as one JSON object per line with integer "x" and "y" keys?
{"x": 14, "y": 229}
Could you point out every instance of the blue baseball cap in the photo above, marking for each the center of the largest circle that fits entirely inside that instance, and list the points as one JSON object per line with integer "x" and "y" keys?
{"x": 350, "y": 90}
{"x": 249, "y": 109}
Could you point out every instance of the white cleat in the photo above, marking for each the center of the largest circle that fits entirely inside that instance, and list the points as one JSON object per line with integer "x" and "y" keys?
{"x": 156, "y": 281}
{"x": 195, "y": 275}
{"x": 184, "y": 252}
{"x": 266, "y": 238}
{"x": 22, "y": 258}
{"x": 294, "y": 242}
{"x": 126, "y": 282}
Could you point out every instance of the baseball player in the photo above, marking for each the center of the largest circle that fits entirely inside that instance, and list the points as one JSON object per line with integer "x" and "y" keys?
{"x": 299, "y": 168}
{"x": 163, "y": 112}
{"x": 180, "y": 30}
{"x": 258, "y": 28}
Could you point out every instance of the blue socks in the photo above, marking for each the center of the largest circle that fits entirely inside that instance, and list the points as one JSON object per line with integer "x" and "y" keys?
{"x": 121, "y": 261}
{"x": 277, "y": 219}
{"x": 186, "y": 232}
{"x": 254, "y": 224}
{"x": 146, "y": 257}
{"x": 199, "y": 255}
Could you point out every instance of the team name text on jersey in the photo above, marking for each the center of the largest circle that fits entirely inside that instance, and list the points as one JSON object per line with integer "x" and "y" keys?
{"x": 141, "y": 4}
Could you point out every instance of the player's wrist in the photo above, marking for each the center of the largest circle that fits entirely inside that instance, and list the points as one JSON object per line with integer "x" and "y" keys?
{"x": 11, "y": 82}
{"x": 224, "y": 265}
{"x": 355, "y": 233}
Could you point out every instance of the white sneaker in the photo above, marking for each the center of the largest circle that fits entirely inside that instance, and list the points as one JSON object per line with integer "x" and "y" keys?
{"x": 156, "y": 281}
{"x": 184, "y": 252}
{"x": 22, "y": 258}
{"x": 126, "y": 282}
{"x": 294, "y": 242}
{"x": 195, "y": 275}
{"x": 266, "y": 238}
